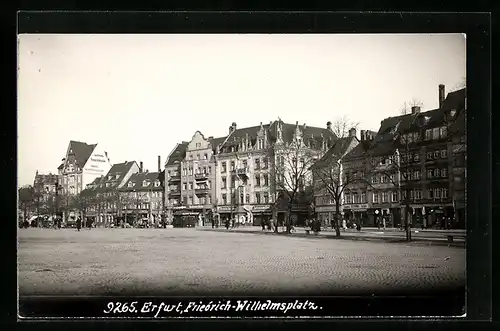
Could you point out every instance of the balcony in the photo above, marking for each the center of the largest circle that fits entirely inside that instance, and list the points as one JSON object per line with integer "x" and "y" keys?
{"x": 174, "y": 178}
{"x": 201, "y": 176}
{"x": 202, "y": 191}
{"x": 243, "y": 172}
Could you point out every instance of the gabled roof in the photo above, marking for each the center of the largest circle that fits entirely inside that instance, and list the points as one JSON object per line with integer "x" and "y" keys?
{"x": 138, "y": 178}
{"x": 360, "y": 150}
{"x": 118, "y": 169}
{"x": 335, "y": 152}
{"x": 312, "y": 136}
{"x": 81, "y": 151}
{"x": 455, "y": 100}
{"x": 178, "y": 154}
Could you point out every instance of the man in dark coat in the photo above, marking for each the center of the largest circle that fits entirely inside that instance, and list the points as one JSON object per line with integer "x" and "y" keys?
{"x": 78, "y": 223}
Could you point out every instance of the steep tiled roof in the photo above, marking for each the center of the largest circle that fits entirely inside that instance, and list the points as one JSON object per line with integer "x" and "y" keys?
{"x": 111, "y": 181}
{"x": 360, "y": 150}
{"x": 137, "y": 180}
{"x": 337, "y": 150}
{"x": 384, "y": 140}
{"x": 178, "y": 154}
{"x": 312, "y": 136}
{"x": 82, "y": 151}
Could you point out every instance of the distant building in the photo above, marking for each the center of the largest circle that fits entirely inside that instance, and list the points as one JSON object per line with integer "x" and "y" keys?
{"x": 81, "y": 165}
{"x": 108, "y": 204}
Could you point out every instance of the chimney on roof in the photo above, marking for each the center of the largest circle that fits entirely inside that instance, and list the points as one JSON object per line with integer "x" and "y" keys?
{"x": 415, "y": 110}
{"x": 159, "y": 163}
{"x": 352, "y": 132}
{"x": 140, "y": 166}
{"x": 441, "y": 95}
{"x": 211, "y": 137}
{"x": 329, "y": 125}
{"x": 363, "y": 135}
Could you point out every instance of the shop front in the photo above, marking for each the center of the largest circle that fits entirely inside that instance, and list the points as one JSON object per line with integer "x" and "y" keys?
{"x": 356, "y": 213}
{"x": 261, "y": 214}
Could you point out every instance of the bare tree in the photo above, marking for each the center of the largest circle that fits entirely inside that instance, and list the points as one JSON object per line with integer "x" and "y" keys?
{"x": 331, "y": 179}
{"x": 292, "y": 175}
{"x": 407, "y": 105}
{"x": 460, "y": 85}
{"x": 342, "y": 125}
{"x": 26, "y": 198}
{"x": 83, "y": 201}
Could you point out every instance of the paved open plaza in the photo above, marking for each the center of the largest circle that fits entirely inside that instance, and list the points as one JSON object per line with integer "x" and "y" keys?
{"x": 192, "y": 261}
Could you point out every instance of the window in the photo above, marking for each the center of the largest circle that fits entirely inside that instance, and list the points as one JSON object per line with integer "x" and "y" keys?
{"x": 418, "y": 194}
{"x": 257, "y": 197}
{"x": 205, "y": 156}
{"x": 266, "y": 198}
{"x": 197, "y": 156}
{"x": 393, "y": 178}
{"x": 416, "y": 157}
{"x": 224, "y": 199}
{"x": 198, "y": 145}
{"x": 191, "y": 156}
{"x": 375, "y": 198}
{"x": 224, "y": 182}
{"x": 435, "y": 133}
{"x": 257, "y": 164}
{"x": 444, "y": 154}
{"x": 245, "y": 163}
{"x": 384, "y": 197}
{"x": 437, "y": 193}
{"x": 430, "y": 155}
{"x": 301, "y": 163}
{"x": 242, "y": 198}
{"x": 394, "y": 196}
{"x": 355, "y": 196}
{"x": 444, "y": 172}
{"x": 185, "y": 200}
{"x": 428, "y": 134}
{"x": 347, "y": 197}
{"x": 130, "y": 184}
{"x": 190, "y": 171}
{"x": 436, "y": 154}
{"x": 224, "y": 169}
{"x": 190, "y": 186}
{"x": 234, "y": 179}
{"x": 266, "y": 180}
{"x": 257, "y": 180}
{"x": 416, "y": 175}
{"x": 201, "y": 200}
{"x": 363, "y": 197}
{"x": 437, "y": 173}
{"x": 445, "y": 193}
{"x": 157, "y": 183}
{"x": 429, "y": 173}
{"x": 184, "y": 172}
{"x": 265, "y": 163}
{"x": 209, "y": 199}
{"x": 247, "y": 198}
{"x": 443, "y": 132}
{"x": 374, "y": 179}
{"x": 232, "y": 165}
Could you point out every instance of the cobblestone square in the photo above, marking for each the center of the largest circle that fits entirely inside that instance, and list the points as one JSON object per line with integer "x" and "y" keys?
{"x": 190, "y": 261}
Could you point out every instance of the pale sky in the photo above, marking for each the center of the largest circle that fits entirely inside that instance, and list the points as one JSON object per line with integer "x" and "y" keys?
{"x": 138, "y": 95}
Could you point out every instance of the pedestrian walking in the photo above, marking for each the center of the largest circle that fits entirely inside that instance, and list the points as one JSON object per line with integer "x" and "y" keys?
{"x": 263, "y": 224}
{"x": 383, "y": 222}
{"x": 227, "y": 223}
{"x": 78, "y": 223}
{"x": 344, "y": 224}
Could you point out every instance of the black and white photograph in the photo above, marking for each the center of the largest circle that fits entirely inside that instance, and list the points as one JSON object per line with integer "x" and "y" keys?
{"x": 228, "y": 166}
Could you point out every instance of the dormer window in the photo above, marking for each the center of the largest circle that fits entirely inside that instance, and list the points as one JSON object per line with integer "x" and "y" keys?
{"x": 117, "y": 176}
{"x": 108, "y": 184}
{"x": 130, "y": 184}
{"x": 145, "y": 183}
{"x": 110, "y": 177}
{"x": 157, "y": 183}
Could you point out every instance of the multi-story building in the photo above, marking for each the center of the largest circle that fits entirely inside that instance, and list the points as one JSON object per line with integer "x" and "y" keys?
{"x": 236, "y": 171}
{"x": 329, "y": 178}
{"x": 108, "y": 202}
{"x": 82, "y": 164}
{"x": 44, "y": 187}
{"x": 411, "y": 165}
{"x": 142, "y": 198}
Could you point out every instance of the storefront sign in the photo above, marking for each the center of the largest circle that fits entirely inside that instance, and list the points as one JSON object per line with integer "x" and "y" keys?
{"x": 357, "y": 207}
{"x": 257, "y": 209}
{"x": 225, "y": 209}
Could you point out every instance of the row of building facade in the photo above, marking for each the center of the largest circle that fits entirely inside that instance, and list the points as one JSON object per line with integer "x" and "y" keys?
{"x": 415, "y": 161}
